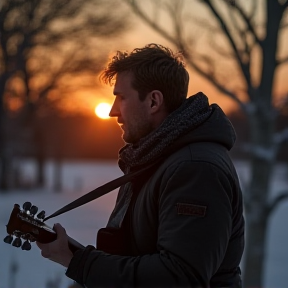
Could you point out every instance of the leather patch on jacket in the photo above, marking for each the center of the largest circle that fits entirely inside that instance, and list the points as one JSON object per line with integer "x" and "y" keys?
{"x": 191, "y": 209}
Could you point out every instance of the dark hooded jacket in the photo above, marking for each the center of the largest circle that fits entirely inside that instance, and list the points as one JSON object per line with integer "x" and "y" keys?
{"x": 184, "y": 225}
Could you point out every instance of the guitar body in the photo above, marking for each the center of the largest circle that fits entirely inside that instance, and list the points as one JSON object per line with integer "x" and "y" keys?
{"x": 23, "y": 225}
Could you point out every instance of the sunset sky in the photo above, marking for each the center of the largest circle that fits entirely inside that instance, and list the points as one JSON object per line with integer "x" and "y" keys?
{"x": 138, "y": 36}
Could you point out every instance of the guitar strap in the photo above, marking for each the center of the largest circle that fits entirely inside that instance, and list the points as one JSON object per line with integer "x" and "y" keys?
{"x": 110, "y": 186}
{"x": 100, "y": 191}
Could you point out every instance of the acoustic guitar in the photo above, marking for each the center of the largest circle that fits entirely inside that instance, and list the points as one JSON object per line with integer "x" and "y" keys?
{"x": 25, "y": 225}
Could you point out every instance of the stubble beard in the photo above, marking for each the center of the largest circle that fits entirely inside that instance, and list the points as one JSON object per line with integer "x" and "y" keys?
{"x": 136, "y": 132}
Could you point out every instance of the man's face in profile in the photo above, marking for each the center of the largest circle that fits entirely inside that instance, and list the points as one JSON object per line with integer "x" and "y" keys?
{"x": 132, "y": 113}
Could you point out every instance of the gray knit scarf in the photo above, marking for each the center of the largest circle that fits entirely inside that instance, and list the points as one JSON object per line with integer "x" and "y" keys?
{"x": 188, "y": 116}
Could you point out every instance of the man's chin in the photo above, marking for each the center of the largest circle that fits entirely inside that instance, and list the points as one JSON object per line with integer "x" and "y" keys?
{"x": 125, "y": 138}
{"x": 128, "y": 139}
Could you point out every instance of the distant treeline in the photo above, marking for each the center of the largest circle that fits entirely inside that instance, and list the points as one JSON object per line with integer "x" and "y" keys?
{"x": 66, "y": 137}
{"x": 88, "y": 137}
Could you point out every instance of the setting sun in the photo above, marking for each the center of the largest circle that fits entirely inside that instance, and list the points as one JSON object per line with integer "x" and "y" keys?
{"x": 102, "y": 110}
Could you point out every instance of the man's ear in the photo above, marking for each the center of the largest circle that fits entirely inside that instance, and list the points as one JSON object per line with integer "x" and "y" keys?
{"x": 156, "y": 101}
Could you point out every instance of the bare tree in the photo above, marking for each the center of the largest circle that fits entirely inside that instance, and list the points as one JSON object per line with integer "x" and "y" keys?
{"x": 245, "y": 35}
{"x": 45, "y": 47}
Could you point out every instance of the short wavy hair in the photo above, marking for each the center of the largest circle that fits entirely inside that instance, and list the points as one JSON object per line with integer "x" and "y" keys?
{"x": 154, "y": 67}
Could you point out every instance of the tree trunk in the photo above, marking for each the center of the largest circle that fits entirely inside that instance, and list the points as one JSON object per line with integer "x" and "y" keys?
{"x": 255, "y": 252}
{"x": 58, "y": 175}
{"x": 40, "y": 154}
{"x": 262, "y": 160}
{"x": 4, "y": 158}
{"x": 256, "y": 225}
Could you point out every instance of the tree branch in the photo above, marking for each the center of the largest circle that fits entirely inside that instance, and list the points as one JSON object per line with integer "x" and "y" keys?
{"x": 217, "y": 84}
{"x": 135, "y": 7}
{"x": 244, "y": 67}
{"x": 267, "y": 153}
{"x": 180, "y": 43}
{"x": 280, "y": 198}
{"x": 282, "y": 61}
{"x": 175, "y": 12}
{"x": 247, "y": 21}
{"x": 283, "y": 26}
{"x": 261, "y": 152}
{"x": 281, "y": 137}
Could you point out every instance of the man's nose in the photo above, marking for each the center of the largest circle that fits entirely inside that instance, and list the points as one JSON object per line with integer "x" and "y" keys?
{"x": 114, "y": 112}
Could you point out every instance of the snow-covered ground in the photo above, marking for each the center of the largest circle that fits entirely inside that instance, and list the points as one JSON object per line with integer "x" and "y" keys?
{"x": 33, "y": 271}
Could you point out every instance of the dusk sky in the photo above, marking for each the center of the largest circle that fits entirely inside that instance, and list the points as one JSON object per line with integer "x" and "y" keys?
{"x": 140, "y": 34}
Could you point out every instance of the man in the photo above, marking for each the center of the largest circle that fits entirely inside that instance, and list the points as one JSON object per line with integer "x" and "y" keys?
{"x": 180, "y": 223}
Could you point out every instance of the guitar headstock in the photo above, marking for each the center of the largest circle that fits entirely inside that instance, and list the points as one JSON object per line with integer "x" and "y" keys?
{"x": 25, "y": 224}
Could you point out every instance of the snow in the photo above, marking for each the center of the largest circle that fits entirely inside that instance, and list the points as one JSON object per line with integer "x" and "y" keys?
{"x": 31, "y": 270}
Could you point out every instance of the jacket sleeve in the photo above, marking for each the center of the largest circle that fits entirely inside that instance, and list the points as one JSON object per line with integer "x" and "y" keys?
{"x": 194, "y": 228}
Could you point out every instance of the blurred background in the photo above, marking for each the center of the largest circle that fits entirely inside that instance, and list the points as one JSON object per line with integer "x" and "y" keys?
{"x": 56, "y": 145}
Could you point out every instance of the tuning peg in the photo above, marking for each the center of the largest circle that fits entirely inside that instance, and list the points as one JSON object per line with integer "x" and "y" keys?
{"x": 17, "y": 242}
{"x": 17, "y": 234}
{"x": 33, "y": 210}
{"x": 8, "y": 239}
{"x": 26, "y": 206}
{"x": 41, "y": 215}
{"x": 26, "y": 246}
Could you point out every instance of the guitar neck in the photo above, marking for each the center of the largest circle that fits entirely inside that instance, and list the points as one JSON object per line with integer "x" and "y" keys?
{"x": 74, "y": 245}
{"x": 48, "y": 235}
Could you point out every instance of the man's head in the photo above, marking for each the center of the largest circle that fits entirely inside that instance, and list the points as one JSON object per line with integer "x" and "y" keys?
{"x": 153, "y": 67}
{"x": 151, "y": 82}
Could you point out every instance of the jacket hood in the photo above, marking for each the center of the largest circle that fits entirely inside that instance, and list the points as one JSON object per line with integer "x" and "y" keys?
{"x": 217, "y": 128}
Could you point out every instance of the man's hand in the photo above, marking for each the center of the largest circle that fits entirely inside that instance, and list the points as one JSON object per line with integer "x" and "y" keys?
{"x": 58, "y": 250}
